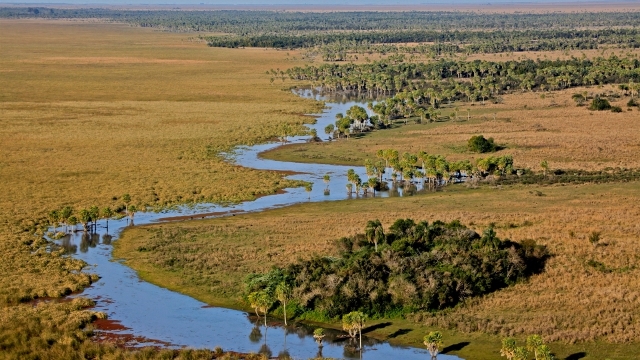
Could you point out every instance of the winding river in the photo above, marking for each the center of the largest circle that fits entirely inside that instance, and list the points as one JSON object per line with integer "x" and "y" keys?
{"x": 175, "y": 320}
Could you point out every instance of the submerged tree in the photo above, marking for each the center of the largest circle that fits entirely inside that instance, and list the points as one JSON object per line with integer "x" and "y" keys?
{"x": 318, "y": 335}
{"x": 107, "y": 214}
{"x": 354, "y": 322}
{"x": 85, "y": 218}
{"x": 433, "y": 342}
{"x": 126, "y": 198}
{"x": 308, "y": 188}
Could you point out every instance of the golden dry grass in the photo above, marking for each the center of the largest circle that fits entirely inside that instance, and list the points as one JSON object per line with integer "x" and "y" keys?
{"x": 91, "y": 111}
{"x": 533, "y": 129}
{"x": 570, "y": 302}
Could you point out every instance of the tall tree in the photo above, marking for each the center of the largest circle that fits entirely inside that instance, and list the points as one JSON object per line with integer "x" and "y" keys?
{"x": 283, "y": 294}
{"x": 107, "y": 214}
{"x": 374, "y": 232}
{"x": 126, "y": 198}
{"x": 95, "y": 215}
{"x": 354, "y": 322}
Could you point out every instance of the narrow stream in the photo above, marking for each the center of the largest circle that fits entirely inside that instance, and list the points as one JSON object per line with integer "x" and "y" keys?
{"x": 176, "y": 320}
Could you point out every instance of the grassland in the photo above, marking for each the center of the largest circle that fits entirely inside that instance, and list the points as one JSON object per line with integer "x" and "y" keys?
{"x": 87, "y": 117}
{"x": 147, "y": 113}
{"x": 90, "y": 111}
{"x": 570, "y": 302}
{"x": 530, "y": 127}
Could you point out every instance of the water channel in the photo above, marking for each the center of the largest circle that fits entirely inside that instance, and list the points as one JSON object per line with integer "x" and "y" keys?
{"x": 176, "y": 320}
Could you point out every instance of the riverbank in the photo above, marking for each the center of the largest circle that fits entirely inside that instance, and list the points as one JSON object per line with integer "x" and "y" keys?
{"x": 529, "y": 126}
{"x": 254, "y": 242}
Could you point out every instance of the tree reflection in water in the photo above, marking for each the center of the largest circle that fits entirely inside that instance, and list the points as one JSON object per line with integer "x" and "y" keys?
{"x": 106, "y": 239}
{"x": 89, "y": 240}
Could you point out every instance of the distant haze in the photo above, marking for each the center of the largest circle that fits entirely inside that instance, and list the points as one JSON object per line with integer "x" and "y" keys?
{"x": 305, "y": 2}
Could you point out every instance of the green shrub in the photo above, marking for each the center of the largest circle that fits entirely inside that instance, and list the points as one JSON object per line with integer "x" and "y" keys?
{"x": 616, "y": 109}
{"x": 599, "y": 104}
{"x": 479, "y": 144}
{"x": 632, "y": 102}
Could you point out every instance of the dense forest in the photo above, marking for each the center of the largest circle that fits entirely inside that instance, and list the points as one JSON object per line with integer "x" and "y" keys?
{"x": 456, "y": 41}
{"x": 425, "y": 85}
{"x": 411, "y": 266}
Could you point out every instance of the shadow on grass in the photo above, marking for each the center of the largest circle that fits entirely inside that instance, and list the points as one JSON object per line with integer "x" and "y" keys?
{"x": 398, "y": 332}
{"x": 375, "y": 327}
{"x": 455, "y": 347}
{"x": 576, "y": 356}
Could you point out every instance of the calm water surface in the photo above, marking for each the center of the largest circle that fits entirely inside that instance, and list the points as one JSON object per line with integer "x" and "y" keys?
{"x": 169, "y": 317}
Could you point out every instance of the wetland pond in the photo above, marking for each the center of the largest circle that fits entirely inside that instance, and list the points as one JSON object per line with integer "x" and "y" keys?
{"x": 152, "y": 315}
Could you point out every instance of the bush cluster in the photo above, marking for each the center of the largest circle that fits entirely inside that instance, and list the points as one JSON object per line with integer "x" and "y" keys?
{"x": 417, "y": 266}
{"x": 481, "y": 145}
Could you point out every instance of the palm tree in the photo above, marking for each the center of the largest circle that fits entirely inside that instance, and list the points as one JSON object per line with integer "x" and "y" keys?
{"x": 354, "y": 322}
{"x": 253, "y": 302}
{"x": 433, "y": 342}
{"x": 329, "y": 129}
{"x": 107, "y": 213}
{"x": 508, "y": 348}
{"x": 545, "y": 167}
{"x": 264, "y": 302}
{"x": 374, "y": 232}
{"x": 95, "y": 215}
{"x": 73, "y": 221}
{"x": 283, "y": 294}
{"x": 85, "y": 217}
{"x": 544, "y": 353}
{"x": 373, "y": 182}
{"x": 65, "y": 214}
{"x": 533, "y": 343}
{"x": 132, "y": 212}
{"x": 521, "y": 353}
{"x": 127, "y": 199}
{"x": 308, "y": 188}
{"x": 54, "y": 217}
{"x": 318, "y": 335}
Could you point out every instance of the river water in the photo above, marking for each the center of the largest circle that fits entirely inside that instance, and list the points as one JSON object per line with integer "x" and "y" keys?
{"x": 171, "y": 318}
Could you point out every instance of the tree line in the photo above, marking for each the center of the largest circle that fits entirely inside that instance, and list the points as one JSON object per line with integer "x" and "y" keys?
{"x": 436, "y": 42}
{"x": 244, "y": 23}
{"x": 435, "y": 170}
{"x": 430, "y": 84}
{"x": 68, "y": 218}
